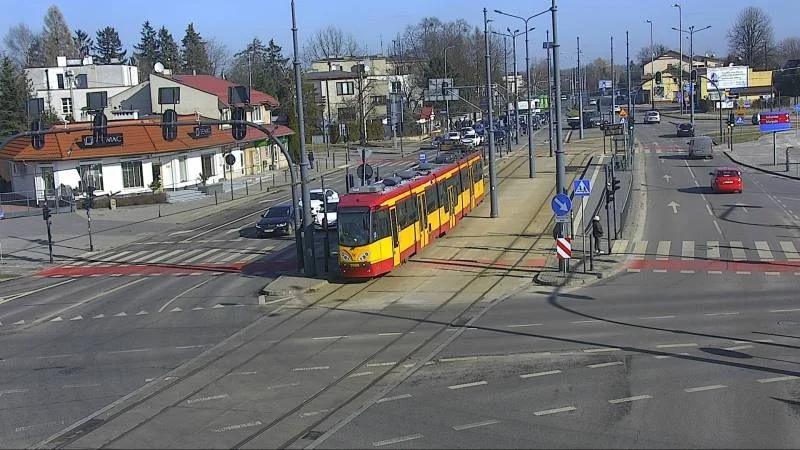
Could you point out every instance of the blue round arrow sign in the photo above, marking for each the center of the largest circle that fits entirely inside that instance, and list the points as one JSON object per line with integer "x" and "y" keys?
{"x": 561, "y": 204}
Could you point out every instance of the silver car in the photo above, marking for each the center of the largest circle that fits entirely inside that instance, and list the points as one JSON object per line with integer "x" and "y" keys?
{"x": 652, "y": 117}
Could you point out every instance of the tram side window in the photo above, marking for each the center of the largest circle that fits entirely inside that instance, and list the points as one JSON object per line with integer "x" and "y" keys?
{"x": 404, "y": 213}
{"x": 442, "y": 188}
{"x": 430, "y": 199}
{"x": 380, "y": 225}
{"x": 477, "y": 172}
{"x": 464, "y": 180}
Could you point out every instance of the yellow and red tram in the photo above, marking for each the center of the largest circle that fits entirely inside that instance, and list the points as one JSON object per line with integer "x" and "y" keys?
{"x": 382, "y": 224}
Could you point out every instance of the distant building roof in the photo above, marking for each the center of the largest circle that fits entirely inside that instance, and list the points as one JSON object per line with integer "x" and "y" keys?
{"x": 219, "y": 87}
{"x": 329, "y": 75}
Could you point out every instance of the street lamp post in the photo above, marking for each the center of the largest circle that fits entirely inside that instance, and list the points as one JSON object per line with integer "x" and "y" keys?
{"x": 680, "y": 50}
{"x": 560, "y": 169}
{"x": 492, "y": 169}
{"x": 580, "y": 92}
{"x": 446, "y": 92}
{"x": 652, "y": 69}
{"x": 505, "y": 71}
{"x": 531, "y": 150}
{"x": 691, "y": 31}
{"x": 549, "y": 94}
{"x": 514, "y": 35}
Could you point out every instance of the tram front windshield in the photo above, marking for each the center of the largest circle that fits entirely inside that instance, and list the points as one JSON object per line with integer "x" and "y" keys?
{"x": 353, "y": 226}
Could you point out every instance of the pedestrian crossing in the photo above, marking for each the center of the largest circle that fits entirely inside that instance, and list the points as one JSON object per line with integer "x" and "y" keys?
{"x": 689, "y": 256}
{"x": 150, "y": 256}
{"x": 662, "y": 150}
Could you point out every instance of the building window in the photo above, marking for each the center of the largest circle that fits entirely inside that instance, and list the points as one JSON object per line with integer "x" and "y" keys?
{"x": 66, "y": 106}
{"x": 347, "y": 113}
{"x": 132, "y": 174}
{"x": 184, "y": 168}
{"x": 378, "y": 100}
{"x": 207, "y": 166}
{"x": 60, "y": 80}
{"x": 396, "y": 86}
{"x": 48, "y": 177}
{"x": 256, "y": 114}
{"x": 91, "y": 176}
{"x": 345, "y": 88}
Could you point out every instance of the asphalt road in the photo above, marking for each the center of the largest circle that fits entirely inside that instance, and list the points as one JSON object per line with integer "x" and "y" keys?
{"x": 77, "y": 337}
{"x": 694, "y": 345}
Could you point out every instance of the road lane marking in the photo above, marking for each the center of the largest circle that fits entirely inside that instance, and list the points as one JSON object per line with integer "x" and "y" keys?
{"x": 314, "y": 413}
{"x": 360, "y": 374}
{"x": 554, "y": 411}
{"x": 764, "y": 252}
{"x": 523, "y": 325}
{"x": 206, "y": 399}
{"x": 187, "y": 347}
{"x": 715, "y": 272}
{"x": 278, "y": 386}
{"x": 712, "y": 250}
{"x": 237, "y": 426}
{"x": 687, "y": 271}
{"x": 586, "y": 321}
{"x": 467, "y": 385}
{"x": 467, "y": 426}
{"x": 790, "y": 251}
{"x": 12, "y": 391}
{"x": 784, "y": 310}
{"x": 657, "y": 317}
{"x": 640, "y": 249}
{"x": 708, "y": 208}
{"x": 776, "y": 379}
{"x": 88, "y": 300}
{"x": 743, "y": 272}
{"x": 391, "y": 399}
{"x": 163, "y": 307}
{"x": 629, "y": 399}
{"x": 600, "y": 350}
{"x": 660, "y": 270}
{"x": 705, "y": 388}
{"x": 459, "y": 358}
{"x": 633, "y": 270}
{"x": 397, "y": 440}
{"x": 732, "y": 313}
{"x": 132, "y": 350}
{"x": 608, "y": 364}
{"x": 165, "y": 256}
{"x": 716, "y": 225}
{"x": 393, "y": 333}
{"x": 326, "y": 338}
{"x": 737, "y": 250}
{"x": 687, "y": 250}
{"x": 738, "y": 347}
{"x": 670, "y": 356}
{"x": 539, "y": 374}
{"x": 25, "y": 294}
{"x": 300, "y": 369}
{"x": 619, "y": 246}
{"x": 662, "y": 251}
{"x": 689, "y": 344}
{"x": 384, "y": 364}
{"x": 772, "y": 274}
{"x": 56, "y": 319}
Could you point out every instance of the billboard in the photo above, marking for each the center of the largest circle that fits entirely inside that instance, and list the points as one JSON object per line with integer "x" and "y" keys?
{"x": 730, "y": 77}
{"x": 436, "y": 90}
{"x": 604, "y": 84}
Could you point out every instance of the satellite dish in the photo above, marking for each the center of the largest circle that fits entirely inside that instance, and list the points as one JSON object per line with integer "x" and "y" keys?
{"x": 159, "y": 68}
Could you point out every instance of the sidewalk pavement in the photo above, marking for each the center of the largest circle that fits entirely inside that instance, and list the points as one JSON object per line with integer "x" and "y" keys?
{"x": 760, "y": 155}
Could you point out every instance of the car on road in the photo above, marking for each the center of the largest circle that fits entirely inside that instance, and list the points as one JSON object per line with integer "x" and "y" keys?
{"x": 318, "y": 211}
{"x": 470, "y": 137}
{"x": 277, "y": 220}
{"x": 726, "y": 179}
{"x": 685, "y": 130}
{"x": 652, "y": 117}
{"x": 701, "y": 147}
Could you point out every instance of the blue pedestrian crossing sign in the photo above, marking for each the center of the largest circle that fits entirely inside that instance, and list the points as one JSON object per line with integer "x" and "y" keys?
{"x": 582, "y": 188}
{"x": 561, "y": 204}
{"x": 423, "y": 158}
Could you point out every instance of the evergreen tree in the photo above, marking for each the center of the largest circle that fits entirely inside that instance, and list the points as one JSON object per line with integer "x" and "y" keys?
{"x": 35, "y": 56}
{"x": 194, "y": 58}
{"x": 167, "y": 52}
{"x": 146, "y": 51}
{"x": 14, "y": 92}
{"x": 108, "y": 47}
{"x": 56, "y": 37}
{"x": 83, "y": 43}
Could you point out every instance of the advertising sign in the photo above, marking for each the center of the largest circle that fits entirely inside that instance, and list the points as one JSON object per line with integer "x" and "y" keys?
{"x": 775, "y": 121}
{"x": 727, "y": 77}
{"x": 437, "y": 87}
{"x": 604, "y": 84}
{"x": 111, "y": 140}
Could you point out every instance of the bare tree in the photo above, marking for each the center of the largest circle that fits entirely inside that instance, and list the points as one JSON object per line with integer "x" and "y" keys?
{"x": 789, "y": 48}
{"x": 18, "y": 41}
{"x": 645, "y": 52}
{"x": 218, "y": 55}
{"x": 751, "y": 37}
{"x": 331, "y": 42}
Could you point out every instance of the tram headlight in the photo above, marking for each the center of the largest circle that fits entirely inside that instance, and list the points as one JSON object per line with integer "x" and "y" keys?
{"x": 363, "y": 256}
{"x": 346, "y": 257}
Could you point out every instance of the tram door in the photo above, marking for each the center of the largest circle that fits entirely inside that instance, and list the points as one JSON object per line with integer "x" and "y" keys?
{"x": 452, "y": 197}
{"x": 395, "y": 235}
{"x": 422, "y": 237}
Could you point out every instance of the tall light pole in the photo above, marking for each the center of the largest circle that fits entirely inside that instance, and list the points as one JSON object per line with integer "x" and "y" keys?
{"x": 446, "y": 97}
{"x": 613, "y": 85}
{"x": 652, "y": 68}
{"x": 691, "y": 31}
{"x": 492, "y": 170}
{"x": 309, "y": 258}
{"x": 514, "y": 35}
{"x": 580, "y": 93}
{"x": 531, "y": 150}
{"x": 549, "y": 93}
{"x": 505, "y": 70}
{"x": 560, "y": 173}
{"x": 680, "y": 50}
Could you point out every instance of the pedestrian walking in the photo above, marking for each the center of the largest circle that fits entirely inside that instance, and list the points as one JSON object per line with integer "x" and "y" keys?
{"x": 597, "y": 234}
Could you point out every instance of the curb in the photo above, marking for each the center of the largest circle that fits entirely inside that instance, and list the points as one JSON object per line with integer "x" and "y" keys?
{"x": 289, "y": 285}
{"x": 771, "y": 172}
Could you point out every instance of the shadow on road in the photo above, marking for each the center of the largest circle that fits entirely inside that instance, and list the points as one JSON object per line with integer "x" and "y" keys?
{"x": 696, "y": 190}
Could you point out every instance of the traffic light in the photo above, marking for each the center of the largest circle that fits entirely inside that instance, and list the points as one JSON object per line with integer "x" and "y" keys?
{"x": 614, "y": 184}
{"x": 611, "y": 188}
{"x": 731, "y": 119}
{"x": 46, "y": 212}
{"x": 37, "y": 139}
{"x": 169, "y": 131}
{"x": 693, "y": 75}
{"x": 658, "y": 78}
{"x": 100, "y": 130}
{"x": 239, "y": 130}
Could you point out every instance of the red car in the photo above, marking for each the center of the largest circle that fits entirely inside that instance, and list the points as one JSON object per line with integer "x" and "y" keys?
{"x": 726, "y": 179}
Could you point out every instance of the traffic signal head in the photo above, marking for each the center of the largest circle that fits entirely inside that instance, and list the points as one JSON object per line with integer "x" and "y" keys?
{"x": 658, "y": 78}
{"x": 169, "y": 131}
{"x": 444, "y": 88}
{"x": 239, "y": 130}
{"x": 37, "y": 139}
{"x": 693, "y": 75}
{"x": 609, "y": 196}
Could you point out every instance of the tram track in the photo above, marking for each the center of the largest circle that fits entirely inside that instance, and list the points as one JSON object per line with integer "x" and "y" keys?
{"x": 307, "y": 316}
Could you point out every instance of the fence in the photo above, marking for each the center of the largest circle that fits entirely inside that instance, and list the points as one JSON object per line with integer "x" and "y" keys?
{"x": 24, "y": 203}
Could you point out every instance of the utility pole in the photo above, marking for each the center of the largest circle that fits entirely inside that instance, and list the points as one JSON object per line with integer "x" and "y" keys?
{"x": 631, "y": 116}
{"x": 446, "y": 93}
{"x": 549, "y": 96}
{"x": 580, "y": 92}
{"x": 309, "y": 257}
{"x": 680, "y": 50}
{"x": 613, "y": 85}
{"x": 560, "y": 174}
{"x": 492, "y": 170}
{"x": 652, "y": 69}
{"x": 514, "y": 35}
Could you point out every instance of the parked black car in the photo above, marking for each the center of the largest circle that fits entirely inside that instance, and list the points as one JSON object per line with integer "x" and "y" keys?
{"x": 686, "y": 130}
{"x": 278, "y": 219}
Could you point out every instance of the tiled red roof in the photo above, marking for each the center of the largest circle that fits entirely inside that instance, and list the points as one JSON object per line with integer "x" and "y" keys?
{"x": 219, "y": 87}
{"x": 141, "y": 136}
{"x": 426, "y": 113}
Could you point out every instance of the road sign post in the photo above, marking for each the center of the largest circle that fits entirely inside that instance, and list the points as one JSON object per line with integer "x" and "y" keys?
{"x": 583, "y": 188}
{"x": 561, "y": 205}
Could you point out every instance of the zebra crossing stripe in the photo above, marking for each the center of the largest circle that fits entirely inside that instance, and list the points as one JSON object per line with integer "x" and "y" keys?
{"x": 687, "y": 250}
{"x": 737, "y": 250}
{"x": 790, "y": 251}
{"x": 663, "y": 249}
{"x": 640, "y": 249}
{"x": 619, "y": 246}
{"x": 165, "y": 254}
{"x": 712, "y": 251}
{"x": 764, "y": 253}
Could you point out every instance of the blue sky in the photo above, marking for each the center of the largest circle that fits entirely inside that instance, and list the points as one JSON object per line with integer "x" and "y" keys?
{"x": 594, "y": 21}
